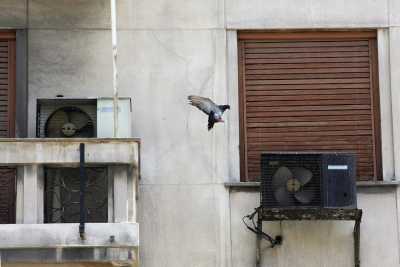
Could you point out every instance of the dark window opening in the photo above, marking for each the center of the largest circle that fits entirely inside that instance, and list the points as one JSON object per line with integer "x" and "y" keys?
{"x": 62, "y": 195}
{"x": 7, "y": 195}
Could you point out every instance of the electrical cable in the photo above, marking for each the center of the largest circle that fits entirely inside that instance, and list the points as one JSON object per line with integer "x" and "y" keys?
{"x": 255, "y": 229}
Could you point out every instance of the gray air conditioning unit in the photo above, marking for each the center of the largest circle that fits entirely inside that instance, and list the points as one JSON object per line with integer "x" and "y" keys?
{"x": 312, "y": 180}
{"x": 82, "y": 118}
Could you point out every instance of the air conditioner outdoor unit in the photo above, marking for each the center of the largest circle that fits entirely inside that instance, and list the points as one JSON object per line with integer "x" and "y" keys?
{"x": 293, "y": 180}
{"x": 74, "y": 118}
{"x": 79, "y": 118}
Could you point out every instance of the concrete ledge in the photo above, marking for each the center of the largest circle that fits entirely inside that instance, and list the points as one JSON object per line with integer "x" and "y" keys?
{"x": 118, "y": 256}
{"x": 66, "y": 235}
{"x": 378, "y": 183}
{"x": 65, "y": 151}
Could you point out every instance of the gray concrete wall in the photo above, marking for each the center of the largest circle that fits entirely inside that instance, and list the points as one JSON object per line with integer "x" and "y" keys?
{"x": 168, "y": 50}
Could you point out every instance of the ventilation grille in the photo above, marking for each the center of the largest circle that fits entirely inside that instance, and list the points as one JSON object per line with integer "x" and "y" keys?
{"x": 46, "y": 107}
{"x": 271, "y": 162}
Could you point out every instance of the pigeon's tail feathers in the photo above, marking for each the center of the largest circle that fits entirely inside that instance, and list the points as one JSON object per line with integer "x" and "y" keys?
{"x": 194, "y": 99}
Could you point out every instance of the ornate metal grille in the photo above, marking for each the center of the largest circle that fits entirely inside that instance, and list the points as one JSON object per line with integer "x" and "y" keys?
{"x": 62, "y": 195}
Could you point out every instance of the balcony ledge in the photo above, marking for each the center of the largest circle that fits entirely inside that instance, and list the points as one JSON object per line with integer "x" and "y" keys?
{"x": 65, "y": 151}
{"x": 66, "y": 235}
{"x": 60, "y": 243}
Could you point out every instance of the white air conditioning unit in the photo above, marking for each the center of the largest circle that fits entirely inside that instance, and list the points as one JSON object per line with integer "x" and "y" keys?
{"x": 85, "y": 118}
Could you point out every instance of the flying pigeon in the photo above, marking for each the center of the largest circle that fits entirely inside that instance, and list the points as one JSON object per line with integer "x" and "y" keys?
{"x": 213, "y": 110}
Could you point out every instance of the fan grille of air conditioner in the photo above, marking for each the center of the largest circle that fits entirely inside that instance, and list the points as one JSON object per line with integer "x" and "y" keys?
{"x": 271, "y": 162}
{"x": 46, "y": 107}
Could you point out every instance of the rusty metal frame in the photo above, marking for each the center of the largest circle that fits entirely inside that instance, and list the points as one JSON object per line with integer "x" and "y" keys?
{"x": 299, "y": 214}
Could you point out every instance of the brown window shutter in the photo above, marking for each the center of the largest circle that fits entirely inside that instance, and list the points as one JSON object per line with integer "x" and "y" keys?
{"x": 310, "y": 91}
{"x": 7, "y": 122}
{"x": 7, "y": 84}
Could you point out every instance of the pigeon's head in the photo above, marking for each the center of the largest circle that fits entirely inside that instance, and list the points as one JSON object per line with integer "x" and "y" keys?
{"x": 224, "y": 107}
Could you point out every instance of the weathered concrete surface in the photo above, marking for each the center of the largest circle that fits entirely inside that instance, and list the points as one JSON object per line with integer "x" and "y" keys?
{"x": 66, "y": 151}
{"x": 240, "y": 14}
{"x": 394, "y": 9}
{"x": 33, "y": 191}
{"x": 67, "y": 14}
{"x": 183, "y": 225}
{"x": 132, "y": 14}
{"x": 177, "y": 14}
{"x": 233, "y": 100}
{"x": 175, "y": 137}
{"x": 13, "y": 14}
{"x": 317, "y": 243}
{"x": 66, "y": 235}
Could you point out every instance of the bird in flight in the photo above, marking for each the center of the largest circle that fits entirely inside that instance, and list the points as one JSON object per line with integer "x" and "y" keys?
{"x": 206, "y": 105}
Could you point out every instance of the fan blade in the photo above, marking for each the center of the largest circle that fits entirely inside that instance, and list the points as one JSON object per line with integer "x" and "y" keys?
{"x": 283, "y": 197}
{"x": 304, "y": 196}
{"x": 84, "y": 128}
{"x": 64, "y": 115}
{"x": 55, "y": 123}
{"x": 302, "y": 175}
{"x": 79, "y": 119}
{"x": 85, "y": 131}
{"x": 68, "y": 116}
{"x": 281, "y": 176}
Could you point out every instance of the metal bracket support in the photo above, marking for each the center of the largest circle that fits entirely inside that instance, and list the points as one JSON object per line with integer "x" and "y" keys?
{"x": 356, "y": 237}
{"x": 259, "y": 238}
{"x": 82, "y": 176}
{"x": 311, "y": 214}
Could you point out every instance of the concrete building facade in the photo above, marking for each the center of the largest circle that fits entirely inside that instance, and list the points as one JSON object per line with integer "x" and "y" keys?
{"x": 191, "y": 198}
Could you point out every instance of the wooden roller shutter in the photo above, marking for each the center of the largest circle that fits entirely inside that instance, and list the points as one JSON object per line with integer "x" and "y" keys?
{"x": 7, "y": 122}
{"x": 7, "y": 84}
{"x": 309, "y": 91}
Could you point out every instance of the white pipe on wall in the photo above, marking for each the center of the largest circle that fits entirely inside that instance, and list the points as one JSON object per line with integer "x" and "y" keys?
{"x": 115, "y": 71}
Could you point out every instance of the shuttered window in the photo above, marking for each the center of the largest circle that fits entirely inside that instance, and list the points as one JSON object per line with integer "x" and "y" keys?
{"x": 7, "y": 84}
{"x": 7, "y": 122}
{"x": 309, "y": 91}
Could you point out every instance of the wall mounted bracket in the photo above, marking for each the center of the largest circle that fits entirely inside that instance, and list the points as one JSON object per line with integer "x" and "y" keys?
{"x": 299, "y": 214}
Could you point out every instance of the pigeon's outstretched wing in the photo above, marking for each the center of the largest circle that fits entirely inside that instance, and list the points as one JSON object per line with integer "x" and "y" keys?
{"x": 202, "y": 103}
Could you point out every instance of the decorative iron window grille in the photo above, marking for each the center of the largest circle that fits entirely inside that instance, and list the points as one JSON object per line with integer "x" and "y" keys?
{"x": 62, "y": 195}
